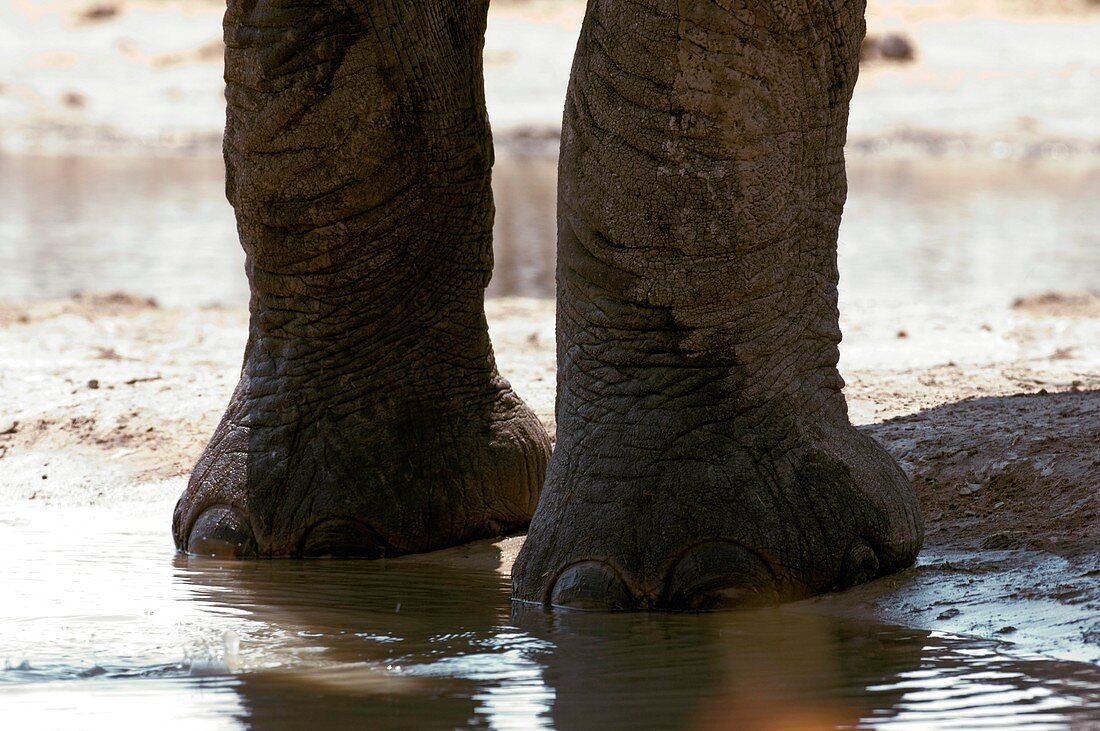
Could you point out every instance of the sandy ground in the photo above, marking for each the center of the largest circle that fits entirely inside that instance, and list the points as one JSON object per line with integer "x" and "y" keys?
{"x": 1001, "y": 78}
{"x": 109, "y": 399}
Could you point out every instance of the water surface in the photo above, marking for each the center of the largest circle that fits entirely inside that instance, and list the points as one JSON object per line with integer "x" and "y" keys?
{"x": 954, "y": 232}
{"x": 101, "y": 622}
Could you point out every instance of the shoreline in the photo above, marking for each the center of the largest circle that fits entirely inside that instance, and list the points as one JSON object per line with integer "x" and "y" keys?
{"x": 905, "y": 143}
{"x": 113, "y": 397}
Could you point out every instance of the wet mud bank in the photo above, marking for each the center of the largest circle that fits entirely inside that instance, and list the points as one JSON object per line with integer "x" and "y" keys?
{"x": 1010, "y": 488}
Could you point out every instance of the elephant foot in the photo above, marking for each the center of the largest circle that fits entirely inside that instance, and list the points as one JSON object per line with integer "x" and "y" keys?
{"x": 370, "y": 419}
{"x": 357, "y": 472}
{"x": 725, "y": 528}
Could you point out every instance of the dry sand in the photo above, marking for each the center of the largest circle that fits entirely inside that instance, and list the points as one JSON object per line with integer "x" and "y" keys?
{"x": 109, "y": 400}
{"x": 1007, "y": 78}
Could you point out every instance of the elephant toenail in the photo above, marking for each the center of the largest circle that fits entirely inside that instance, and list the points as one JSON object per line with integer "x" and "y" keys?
{"x": 222, "y": 531}
{"x": 343, "y": 538}
{"x": 720, "y": 575}
{"x": 860, "y": 564}
{"x": 591, "y": 586}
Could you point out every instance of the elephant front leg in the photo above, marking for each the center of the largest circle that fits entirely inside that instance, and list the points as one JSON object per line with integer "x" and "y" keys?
{"x": 369, "y": 419}
{"x": 704, "y": 454}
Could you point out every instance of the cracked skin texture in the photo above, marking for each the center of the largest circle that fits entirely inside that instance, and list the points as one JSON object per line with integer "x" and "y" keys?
{"x": 369, "y": 419}
{"x": 704, "y": 454}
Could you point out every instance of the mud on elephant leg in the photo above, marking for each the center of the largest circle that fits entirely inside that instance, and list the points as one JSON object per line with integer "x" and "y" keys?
{"x": 704, "y": 454}
{"x": 369, "y": 418}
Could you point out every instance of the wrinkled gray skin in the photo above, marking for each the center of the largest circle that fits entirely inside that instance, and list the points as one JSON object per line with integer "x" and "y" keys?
{"x": 370, "y": 418}
{"x": 704, "y": 454}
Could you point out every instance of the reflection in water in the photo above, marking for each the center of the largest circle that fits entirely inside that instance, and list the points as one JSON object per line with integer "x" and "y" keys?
{"x": 751, "y": 670}
{"x": 524, "y": 233}
{"x": 159, "y": 227}
{"x": 100, "y": 618}
{"x": 968, "y": 232}
{"x": 389, "y": 644}
{"x": 935, "y": 230}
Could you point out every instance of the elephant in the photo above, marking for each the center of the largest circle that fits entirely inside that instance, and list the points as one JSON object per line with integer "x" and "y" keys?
{"x": 704, "y": 457}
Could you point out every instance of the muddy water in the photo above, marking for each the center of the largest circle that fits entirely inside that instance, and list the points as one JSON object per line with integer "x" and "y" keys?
{"x": 100, "y": 622}
{"x": 969, "y": 232}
